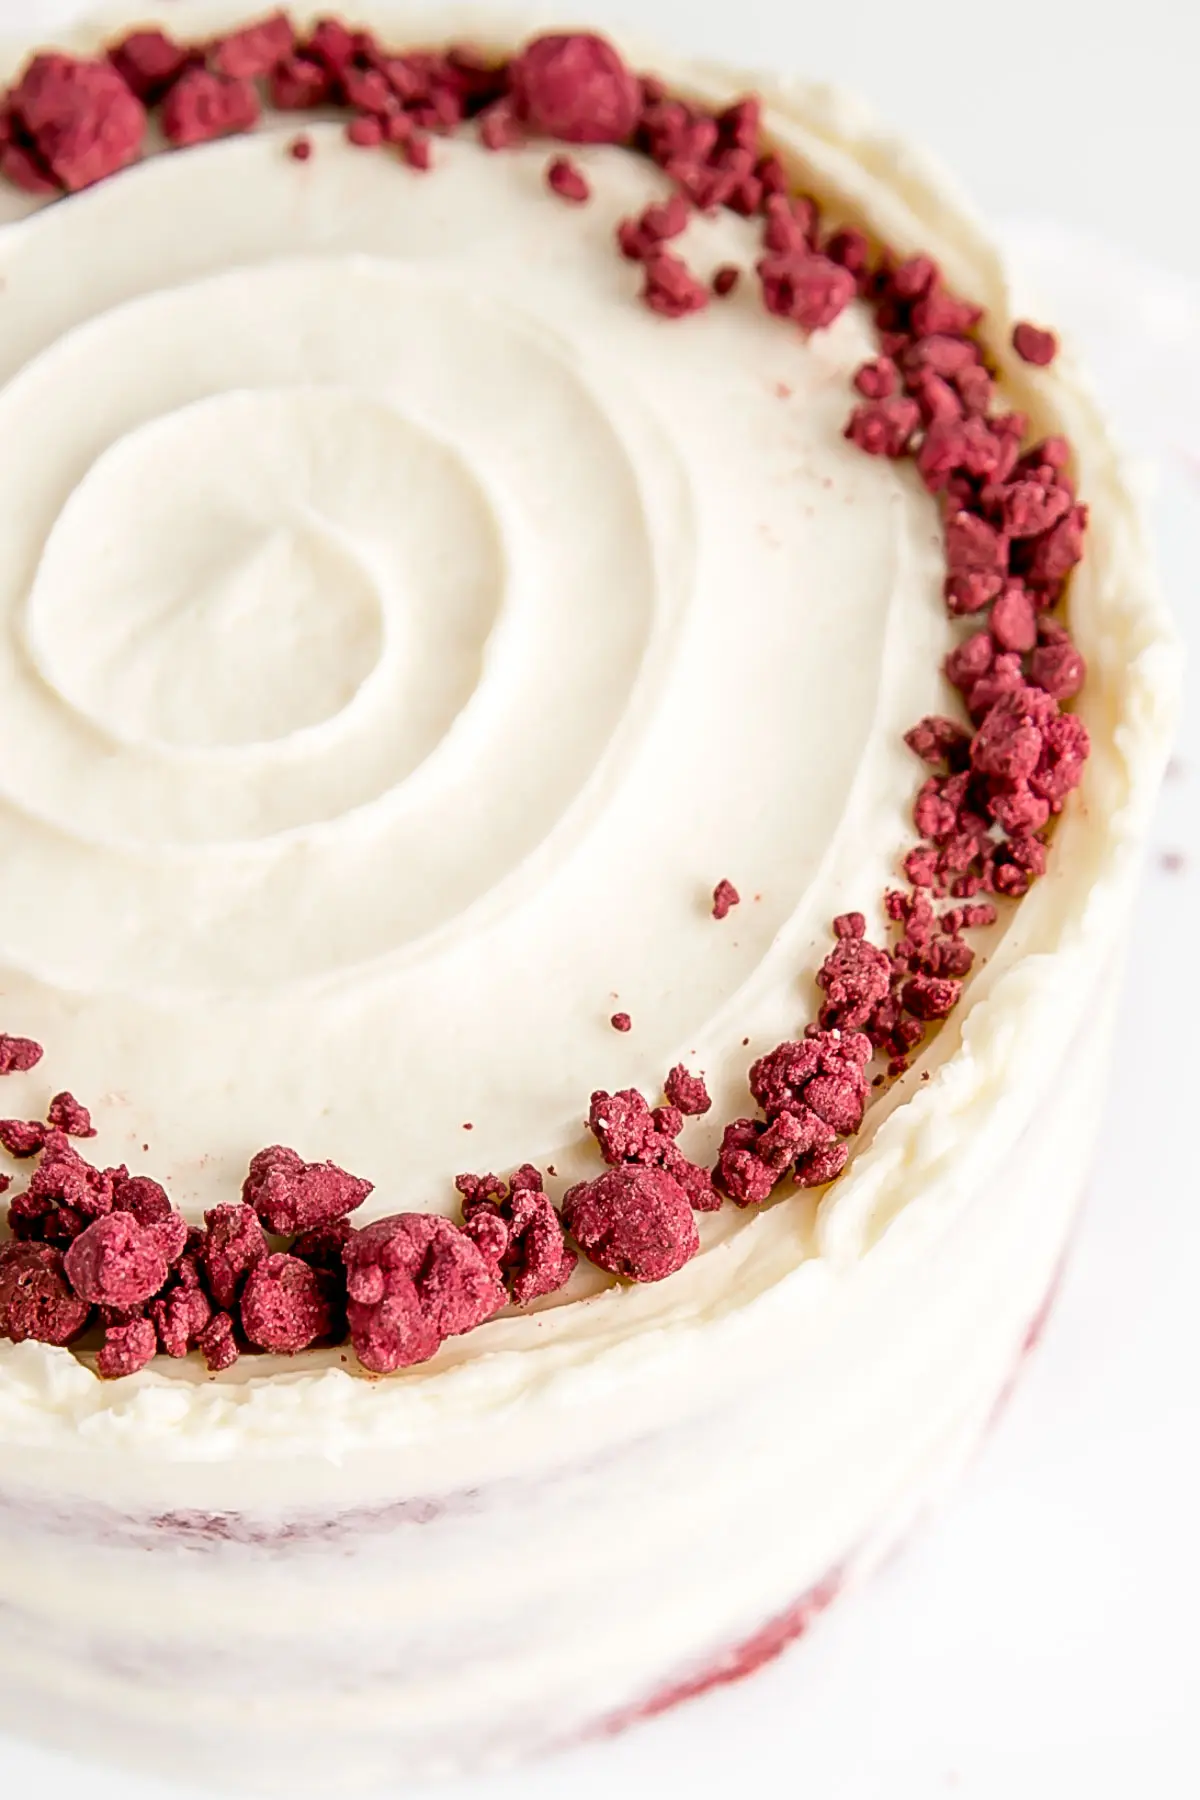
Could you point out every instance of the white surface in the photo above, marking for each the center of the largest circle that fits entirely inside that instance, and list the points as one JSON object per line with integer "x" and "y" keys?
{"x": 1041, "y": 1638}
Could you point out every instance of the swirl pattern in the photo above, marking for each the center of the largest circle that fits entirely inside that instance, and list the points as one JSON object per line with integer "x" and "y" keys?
{"x": 395, "y": 613}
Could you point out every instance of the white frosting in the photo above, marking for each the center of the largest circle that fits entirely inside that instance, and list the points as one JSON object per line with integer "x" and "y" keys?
{"x": 402, "y": 639}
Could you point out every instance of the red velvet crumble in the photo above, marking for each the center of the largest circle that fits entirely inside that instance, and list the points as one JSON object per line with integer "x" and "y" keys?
{"x": 414, "y": 1280}
{"x": 17, "y": 1054}
{"x": 566, "y": 179}
{"x": 621, "y": 1021}
{"x": 1033, "y": 345}
{"x": 290, "y": 1195}
{"x": 725, "y": 898}
{"x": 633, "y": 1221}
{"x": 575, "y": 87}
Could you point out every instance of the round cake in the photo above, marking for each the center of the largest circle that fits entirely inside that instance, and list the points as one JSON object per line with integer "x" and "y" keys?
{"x": 580, "y": 700}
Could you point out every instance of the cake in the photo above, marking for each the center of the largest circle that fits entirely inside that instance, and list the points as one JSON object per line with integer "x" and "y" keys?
{"x": 582, "y": 696}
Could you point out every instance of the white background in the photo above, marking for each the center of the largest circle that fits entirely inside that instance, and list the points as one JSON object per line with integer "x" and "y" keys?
{"x": 1041, "y": 1638}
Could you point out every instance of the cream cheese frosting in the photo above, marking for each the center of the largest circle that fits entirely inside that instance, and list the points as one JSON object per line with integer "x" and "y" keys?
{"x": 400, "y": 642}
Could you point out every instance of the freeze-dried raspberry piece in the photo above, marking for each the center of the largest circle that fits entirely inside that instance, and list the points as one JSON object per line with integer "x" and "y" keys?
{"x": 670, "y": 289}
{"x": 290, "y": 1195}
{"x": 974, "y": 547}
{"x": 566, "y": 179}
{"x": 255, "y": 49}
{"x": 1058, "y": 669}
{"x": 23, "y": 1137}
{"x": 746, "y": 1176}
{"x": 931, "y": 997}
{"x": 575, "y": 87}
{"x": 323, "y": 1246}
{"x": 687, "y": 1092}
{"x": 852, "y": 249}
{"x": 1033, "y": 345}
{"x": 949, "y": 357}
{"x": 65, "y": 1113}
{"x": 854, "y": 977}
{"x": 806, "y": 287}
{"x": 202, "y": 106}
{"x": 217, "y": 1343}
{"x": 725, "y": 897}
{"x": 298, "y": 84}
{"x": 116, "y": 1262}
{"x": 821, "y": 1074}
{"x": 148, "y": 62}
{"x": 877, "y": 380}
{"x": 624, "y": 1126}
{"x": 936, "y": 398}
{"x": 790, "y": 224}
{"x": 884, "y": 427}
{"x": 1003, "y": 677}
{"x": 233, "y": 1243}
{"x": 938, "y": 740}
{"x": 126, "y": 1349}
{"x": 939, "y": 314}
{"x": 621, "y": 1021}
{"x": 64, "y": 1178}
{"x": 80, "y": 116}
{"x": 180, "y": 1317}
{"x": 1029, "y": 507}
{"x": 640, "y": 239}
{"x": 413, "y": 1280}
{"x": 140, "y": 1195}
{"x": 971, "y": 592}
{"x": 35, "y": 1299}
{"x": 633, "y": 1221}
{"x": 365, "y": 133}
{"x": 283, "y": 1306}
{"x": 1008, "y": 744}
{"x": 1065, "y": 750}
{"x": 821, "y": 1165}
{"x": 1014, "y": 619}
{"x": 967, "y": 445}
{"x": 515, "y": 1225}
{"x": 725, "y": 279}
{"x": 1053, "y": 555}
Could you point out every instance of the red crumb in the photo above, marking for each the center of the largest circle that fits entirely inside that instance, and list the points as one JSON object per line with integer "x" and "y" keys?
{"x": 809, "y": 289}
{"x": 670, "y": 289}
{"x": 35, "y": 1299}
{"x": 725, "y": 898}
{"x": 22, "y": 1137}
{"x": 284, "y": 1308}
{"x": 255, "y": 49}
{"x": 687, "y": 1092}
{"x": 301, "y": 148}
{"x": 233, "y": 1244}
{"x": 575, "y": 87}
{"x": 1172, "y": 862}
{"x": 290, "y": 1195}
{"x": 633, "y": 1221}
{"x": 725, "y": 280}
{"x": 202, "y": 106}
{"x": 566, "y": 179}
{"x": 65, "y": 1113}
{"x": 414, "y": 1280}
{"x": 217, "y": 1344}
{"x": 884, "y": 427}
{"x": 515, "y": 1226}
{"x": 1033, "y": 345}
{"x": 80, "y": 117}
{"x": 127, "y": 1348}
{"x": 299, "y": 82}
{"x": 148, "y": 62}
{"x": 621, "y": 1021}
{"x": 18, "y": 1054}
{"x": 116, "y": 1262}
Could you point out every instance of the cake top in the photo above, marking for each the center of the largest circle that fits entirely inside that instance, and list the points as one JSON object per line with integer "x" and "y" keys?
{"x": 458, "y": 664}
